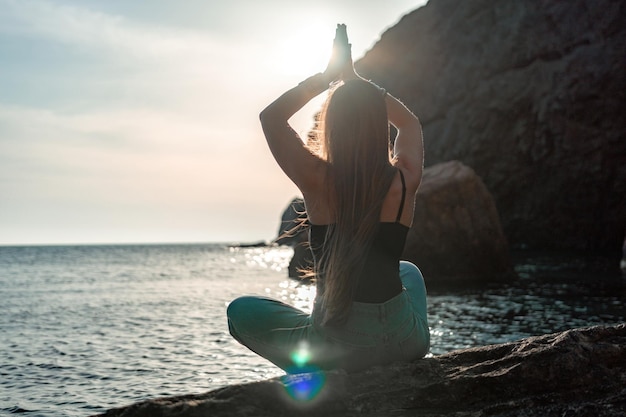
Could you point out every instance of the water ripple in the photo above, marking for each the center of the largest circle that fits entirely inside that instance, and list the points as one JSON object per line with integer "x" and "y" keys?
{"x": 86, "y": 329}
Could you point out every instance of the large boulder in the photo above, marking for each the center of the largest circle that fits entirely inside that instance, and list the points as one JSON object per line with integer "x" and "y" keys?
{"x": 580, "y": 372}
{"x": 456, "y": 233}
{"x": 531, "y": 95}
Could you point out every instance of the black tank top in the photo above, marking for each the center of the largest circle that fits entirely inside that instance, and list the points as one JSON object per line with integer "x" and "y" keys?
{"x": 380, "y": 279}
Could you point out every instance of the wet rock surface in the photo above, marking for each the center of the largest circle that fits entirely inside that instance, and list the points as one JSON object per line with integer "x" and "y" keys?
{"x": 579, "y": 372}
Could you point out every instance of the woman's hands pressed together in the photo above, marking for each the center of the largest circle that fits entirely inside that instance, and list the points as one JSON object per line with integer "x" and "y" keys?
{"x": 340, "y": 63}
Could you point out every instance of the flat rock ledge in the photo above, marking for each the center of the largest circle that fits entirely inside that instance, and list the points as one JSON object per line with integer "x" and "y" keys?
{"x": 579, "y": 372}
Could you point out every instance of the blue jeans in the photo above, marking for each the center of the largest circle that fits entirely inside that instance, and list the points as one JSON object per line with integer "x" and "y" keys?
{"x": 374, "y": 334}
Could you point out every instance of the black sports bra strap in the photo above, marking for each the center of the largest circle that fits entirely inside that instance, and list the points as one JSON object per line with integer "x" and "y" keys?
{"x": 403, "y": 196}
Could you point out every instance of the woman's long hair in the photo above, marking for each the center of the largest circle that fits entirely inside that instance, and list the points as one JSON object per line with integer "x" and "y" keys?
{"x": 355, "y": 142}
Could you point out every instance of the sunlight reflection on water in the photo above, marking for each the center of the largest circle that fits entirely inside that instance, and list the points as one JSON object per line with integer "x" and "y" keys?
{"x": 100, "y": 327}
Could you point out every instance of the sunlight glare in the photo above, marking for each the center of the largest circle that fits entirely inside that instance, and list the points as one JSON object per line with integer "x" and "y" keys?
{"x": 304, "y": 51}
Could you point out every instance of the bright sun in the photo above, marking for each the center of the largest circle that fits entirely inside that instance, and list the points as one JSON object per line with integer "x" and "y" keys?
{"x": 304, "y": 51}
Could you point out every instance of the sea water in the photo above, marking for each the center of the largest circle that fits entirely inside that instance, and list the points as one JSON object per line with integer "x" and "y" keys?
{"x": 88, "y": 328}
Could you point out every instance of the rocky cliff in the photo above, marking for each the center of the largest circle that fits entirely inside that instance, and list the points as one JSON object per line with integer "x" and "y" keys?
{"x": 580, "y": 372}
{"x": 531, "y": 95}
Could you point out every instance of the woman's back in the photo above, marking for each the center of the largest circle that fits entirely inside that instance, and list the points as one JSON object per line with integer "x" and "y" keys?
{"x": 378, "y": 280}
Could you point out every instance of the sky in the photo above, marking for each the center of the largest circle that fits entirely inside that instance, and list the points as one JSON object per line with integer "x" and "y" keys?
{"x": 137, "y": 121}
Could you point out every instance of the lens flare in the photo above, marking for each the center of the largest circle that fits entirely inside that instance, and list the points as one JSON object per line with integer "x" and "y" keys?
{"x": 302, "y": 355}
{"x": 304, "y": 381}
{"x": 304, "y": 386}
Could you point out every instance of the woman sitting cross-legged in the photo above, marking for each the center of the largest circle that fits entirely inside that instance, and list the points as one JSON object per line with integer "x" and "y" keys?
{"x": 370, "y": 307}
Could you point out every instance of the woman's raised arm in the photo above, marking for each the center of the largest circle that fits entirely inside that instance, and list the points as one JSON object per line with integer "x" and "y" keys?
{"x": 295, "y": 159}
{"x": 409, "y": 144}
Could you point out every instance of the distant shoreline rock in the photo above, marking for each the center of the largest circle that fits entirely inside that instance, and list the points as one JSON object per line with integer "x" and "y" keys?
{"x": 579, "y": 372}
{"x": 258, "y": 244}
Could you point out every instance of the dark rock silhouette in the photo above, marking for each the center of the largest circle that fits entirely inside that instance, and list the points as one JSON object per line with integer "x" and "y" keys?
{"x": 531, "y": 95}
{"x": 579, "y": 372}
